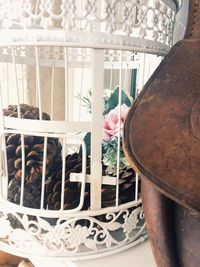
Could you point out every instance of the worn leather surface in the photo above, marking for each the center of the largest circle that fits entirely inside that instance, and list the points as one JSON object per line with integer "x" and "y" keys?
{"x": 7, "y": 259}
{"x": 160, "y": 225}
{"x": 174, "y": 230}
{"x": 187, "y": 236}
{"x": 162, "y": 130}
{"x": 162, "y": 142}
{"x": 193, "y": 23}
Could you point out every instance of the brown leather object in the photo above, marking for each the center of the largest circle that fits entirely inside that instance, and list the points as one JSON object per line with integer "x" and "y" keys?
{"x": 162, "y": 143}
{"x": 162, "y": 130}
{"x": 174, "y": 230}
{"x": 193, "y": 23}
{"x": 7, "y": 259}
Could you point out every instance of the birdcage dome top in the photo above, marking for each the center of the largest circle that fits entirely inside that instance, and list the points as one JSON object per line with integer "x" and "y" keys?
{"x": 145, "y": 25}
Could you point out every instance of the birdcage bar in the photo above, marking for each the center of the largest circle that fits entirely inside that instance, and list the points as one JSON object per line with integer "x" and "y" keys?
{"x": 43, "y": 172}
{"x": 63, "y": 176}
{"x": 23, "y": 170}
{"x": 4, "y": 187}
{"x": 38, "y": 84}
{"x": 125, "y": 77}
{"x": 53, "y": 126}
{"x": 136, "y": 186}
{"x": 66, "y": 84}
{"x": 16, "y": 81}
{"x": 7, "y": 82}
{"x": 65, "y": 213}
{"x": 23, "y": 89}
{"x": 111, "y": 76}
{"x": 105, "y": 180}
{"x": 23, "y": 56}
{"x": 52, "y": 91}
{"x": 81, "y": 89}
{"x": 96, "y": 127}
{"x": 119, "y": 130}
{"x": 3, "y": 171}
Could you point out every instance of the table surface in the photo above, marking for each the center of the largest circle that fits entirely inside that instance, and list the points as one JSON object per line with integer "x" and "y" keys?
{"x": 138, "y": 256}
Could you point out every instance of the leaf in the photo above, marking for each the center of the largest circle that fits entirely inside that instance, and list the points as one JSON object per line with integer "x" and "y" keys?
{"x": 87, "y": 140}
{"x": 43, "y": 224}
{"x": 113, "y": 100}
{"x": 86, "y": 100}
{"x": 89, "y": 243}
{"x": 110, "y": 154}
{"x": 133, "y": 90}
{"x": 114, "y": 226}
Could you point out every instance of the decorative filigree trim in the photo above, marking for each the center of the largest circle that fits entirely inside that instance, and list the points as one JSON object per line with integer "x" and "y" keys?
{"x": 94, "y": 21}
{"x": 72, "y": 236}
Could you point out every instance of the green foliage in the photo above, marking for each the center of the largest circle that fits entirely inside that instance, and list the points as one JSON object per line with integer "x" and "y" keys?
{"x": 87, "y": 140}
{"x": 86, "y": 101}
{"x": 112, "y": 101}
{"x": 109, "y": 147}
{"x": 110, "y": 155}
{"x": 133, "y": 90}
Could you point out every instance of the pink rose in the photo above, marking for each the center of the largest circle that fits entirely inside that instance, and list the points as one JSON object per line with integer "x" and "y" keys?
{"x": 110, "y": 126}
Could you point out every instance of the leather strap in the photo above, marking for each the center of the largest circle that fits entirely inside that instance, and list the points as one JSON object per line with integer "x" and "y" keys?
{"x": 193, "y": 24}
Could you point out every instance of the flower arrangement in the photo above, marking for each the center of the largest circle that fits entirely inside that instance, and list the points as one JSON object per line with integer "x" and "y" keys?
{"x": 110, "y": 126}
{"x": 111, "y": 132}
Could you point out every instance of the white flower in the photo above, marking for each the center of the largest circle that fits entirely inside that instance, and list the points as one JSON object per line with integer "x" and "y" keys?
{"x": 78, "y": 235}
{"x": 55, "y": 235}
{"x": 71, "y": 237}
{"x": 130, "y": 223}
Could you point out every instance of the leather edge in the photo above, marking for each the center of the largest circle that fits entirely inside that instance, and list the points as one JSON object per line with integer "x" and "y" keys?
{"x": 135, "y": 162}
{"x": 192, "y": 30}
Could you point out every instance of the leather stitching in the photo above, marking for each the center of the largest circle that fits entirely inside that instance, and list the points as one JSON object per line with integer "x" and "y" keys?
{"x": 195, "y": 16}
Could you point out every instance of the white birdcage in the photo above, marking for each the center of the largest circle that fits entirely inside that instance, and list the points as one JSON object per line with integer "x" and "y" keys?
{"x": 65, "y": 194}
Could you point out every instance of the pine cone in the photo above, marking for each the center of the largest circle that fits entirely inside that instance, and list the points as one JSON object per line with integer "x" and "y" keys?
{"x": 127, "y": 185}
{"x": 32, "y": 193}
{"x": 108, "y": 196}
{"x": 72, "y": 189}
{"x": 33, "y": 150}
{"x": 126, "y": 188}
{"x": 26, "y": 112}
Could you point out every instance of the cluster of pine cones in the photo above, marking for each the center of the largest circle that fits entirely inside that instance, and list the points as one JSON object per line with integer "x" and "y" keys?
{"x": 73, "y": 189}
{"x": 33, "y": 160}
